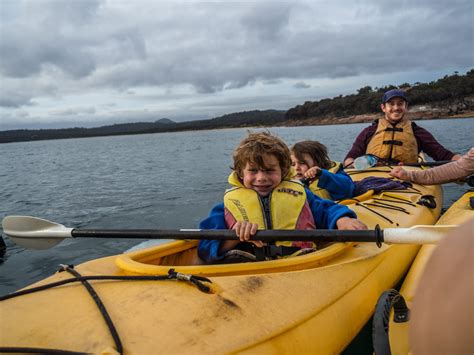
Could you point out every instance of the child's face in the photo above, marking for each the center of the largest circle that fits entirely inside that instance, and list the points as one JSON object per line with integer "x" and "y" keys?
{"x": 263, "y": 180}
{"x": 394, "y": 109}
{"x": 301, "y": 166}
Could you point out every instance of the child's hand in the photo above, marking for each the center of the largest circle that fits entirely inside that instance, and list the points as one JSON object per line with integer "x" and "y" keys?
{"x": 245, "y": 230}
{"x": 311, "y": 172}
{"x": 347, "y": 223}
{"x": 400, "y": 173}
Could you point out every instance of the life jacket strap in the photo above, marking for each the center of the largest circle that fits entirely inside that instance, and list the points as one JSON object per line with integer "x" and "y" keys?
{"x": 393, "y": 129}
{"x": 393, "y": 142}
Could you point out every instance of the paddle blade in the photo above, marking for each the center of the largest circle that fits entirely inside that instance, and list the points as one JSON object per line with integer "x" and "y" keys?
{"x": 34, "y": 233}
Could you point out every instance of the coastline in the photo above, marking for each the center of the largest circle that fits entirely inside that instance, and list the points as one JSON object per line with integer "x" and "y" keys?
{"x": 368, "y": 118}
{"x": 315, "y": 121}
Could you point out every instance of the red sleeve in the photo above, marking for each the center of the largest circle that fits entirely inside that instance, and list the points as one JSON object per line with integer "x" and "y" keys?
{"x": 360, "y": 144}
{"x": 429, "y": 145}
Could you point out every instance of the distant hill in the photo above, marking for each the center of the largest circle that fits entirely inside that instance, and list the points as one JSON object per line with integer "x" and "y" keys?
{"x": 241, "y": 119}
{"x": 21, "y": 135}
{"x": 450, "y": 96}
{"x": 129, "y": 127}
{"x": 265, "y": 118}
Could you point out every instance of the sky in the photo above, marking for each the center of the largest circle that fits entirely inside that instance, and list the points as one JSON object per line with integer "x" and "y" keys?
{"x": 87, "y": 63}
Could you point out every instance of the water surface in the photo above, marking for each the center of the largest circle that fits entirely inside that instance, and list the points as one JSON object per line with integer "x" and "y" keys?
{"x": 161, "y": 181}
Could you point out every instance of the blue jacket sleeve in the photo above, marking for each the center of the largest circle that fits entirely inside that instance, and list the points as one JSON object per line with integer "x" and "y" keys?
{"x": 208, "y": 250}
{"x": 326, "y": 212}
{"x": 339, "y": 185}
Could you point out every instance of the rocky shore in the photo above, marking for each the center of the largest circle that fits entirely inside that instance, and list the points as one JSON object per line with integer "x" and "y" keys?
{"x": 442, "y": 110}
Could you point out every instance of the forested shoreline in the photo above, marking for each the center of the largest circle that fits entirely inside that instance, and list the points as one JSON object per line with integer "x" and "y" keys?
{"x": 450, "y": 96}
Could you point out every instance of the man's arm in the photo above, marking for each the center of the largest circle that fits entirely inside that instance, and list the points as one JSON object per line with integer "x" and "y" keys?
{"x": 428, "y": 144}
{"x": 359, "y": 146}
{"x": 348, "y": 162}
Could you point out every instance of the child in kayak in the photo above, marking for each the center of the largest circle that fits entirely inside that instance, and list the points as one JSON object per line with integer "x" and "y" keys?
{"x": 325, "y": 178}
{"x": 264, "y": 197}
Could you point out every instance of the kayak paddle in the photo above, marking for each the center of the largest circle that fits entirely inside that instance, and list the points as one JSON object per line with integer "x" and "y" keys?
{"x": 37, "y": 233}
{"x": 429, "y": 163}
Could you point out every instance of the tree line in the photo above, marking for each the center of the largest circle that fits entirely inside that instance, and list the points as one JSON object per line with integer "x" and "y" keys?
{"x": 233, "y": 120}
{"x": 367, "y": 100}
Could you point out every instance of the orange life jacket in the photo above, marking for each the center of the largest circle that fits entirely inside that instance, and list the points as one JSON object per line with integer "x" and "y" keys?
{"x": 395, "y": 143}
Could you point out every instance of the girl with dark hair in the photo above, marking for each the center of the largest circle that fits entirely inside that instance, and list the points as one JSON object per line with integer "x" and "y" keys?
{"x": 324, "y": 177}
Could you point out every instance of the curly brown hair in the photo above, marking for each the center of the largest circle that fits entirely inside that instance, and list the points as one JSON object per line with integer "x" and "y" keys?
{"x": 315, "y": 150}
{"x": 255, "y": 146}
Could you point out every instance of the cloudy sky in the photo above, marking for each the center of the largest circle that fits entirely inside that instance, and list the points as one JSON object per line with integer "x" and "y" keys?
{"x": 67, "y": 63}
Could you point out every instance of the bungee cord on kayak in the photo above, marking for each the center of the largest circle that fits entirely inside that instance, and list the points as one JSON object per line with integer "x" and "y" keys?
{"x": 172, "y": 275}
{"x": 390, "y": 299}
{"x": 197, "y": 281}
{"x": 394, "y": 199}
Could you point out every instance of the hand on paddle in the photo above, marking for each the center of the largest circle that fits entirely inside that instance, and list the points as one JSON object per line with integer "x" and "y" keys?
{"x": 347, "y": 223}
{"x": 245, "y": 230}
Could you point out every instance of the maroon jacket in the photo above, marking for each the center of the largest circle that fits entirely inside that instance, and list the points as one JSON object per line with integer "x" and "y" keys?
{"x": 425, "y": 140}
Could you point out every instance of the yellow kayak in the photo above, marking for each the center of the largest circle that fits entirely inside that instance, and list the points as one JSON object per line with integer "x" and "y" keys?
{"x": 313, "y": 303}
{"x": 457, "y": 214}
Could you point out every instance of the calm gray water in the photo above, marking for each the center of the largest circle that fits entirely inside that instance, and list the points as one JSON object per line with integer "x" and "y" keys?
{"x": 162, "y": 181}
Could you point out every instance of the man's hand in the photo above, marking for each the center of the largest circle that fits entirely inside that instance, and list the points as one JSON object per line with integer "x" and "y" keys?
{"x": 348, "y": 162}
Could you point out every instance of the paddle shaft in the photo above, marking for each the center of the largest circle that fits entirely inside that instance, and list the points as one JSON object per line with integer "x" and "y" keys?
{"x": 221, "y": 234}
{"x": 429, "y": 163}
{"x": 37, "y": 233}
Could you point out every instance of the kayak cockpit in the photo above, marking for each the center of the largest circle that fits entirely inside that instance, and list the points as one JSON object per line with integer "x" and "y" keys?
{"x": 182, "y": 255}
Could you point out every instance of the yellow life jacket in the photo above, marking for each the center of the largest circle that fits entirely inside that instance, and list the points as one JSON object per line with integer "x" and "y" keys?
{"x": 288, "y": 208}
{"x": 394, "y": 142}
{"x": 319, "y": 191}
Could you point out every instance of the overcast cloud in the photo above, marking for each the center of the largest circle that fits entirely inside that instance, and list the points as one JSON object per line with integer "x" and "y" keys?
{"x": 68, "y": 63}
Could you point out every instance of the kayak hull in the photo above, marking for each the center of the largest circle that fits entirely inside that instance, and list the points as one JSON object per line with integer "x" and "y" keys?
{"x": 311, "y": 303}
{"x": 280, "y": 303}
{"x": 459, "y": 213}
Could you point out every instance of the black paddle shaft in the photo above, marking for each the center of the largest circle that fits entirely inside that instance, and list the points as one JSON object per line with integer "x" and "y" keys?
{"x": 322, "y": 235}
{"x": 429, "y": 163}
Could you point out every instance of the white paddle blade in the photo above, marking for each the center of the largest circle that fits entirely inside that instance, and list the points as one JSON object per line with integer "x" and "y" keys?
{"x": 34, "y": 233}
{"x": 416, "y": 234}
{"x": 41, "y": 243}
